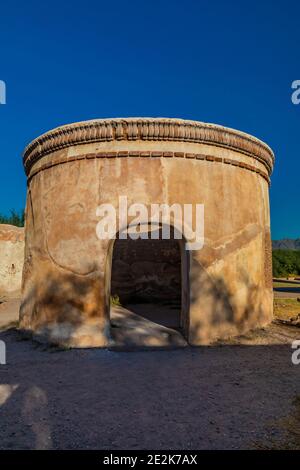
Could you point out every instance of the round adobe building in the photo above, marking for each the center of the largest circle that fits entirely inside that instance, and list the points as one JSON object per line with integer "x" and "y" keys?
{"x": 223, "y": 288}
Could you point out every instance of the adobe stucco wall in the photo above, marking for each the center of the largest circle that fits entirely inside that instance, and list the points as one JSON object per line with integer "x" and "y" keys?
{"x": 11, "y": 260}
{"x": 73, "y": 169}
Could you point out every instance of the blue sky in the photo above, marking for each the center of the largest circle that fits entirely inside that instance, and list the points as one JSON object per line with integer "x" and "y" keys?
{"x": 226, "y": 62}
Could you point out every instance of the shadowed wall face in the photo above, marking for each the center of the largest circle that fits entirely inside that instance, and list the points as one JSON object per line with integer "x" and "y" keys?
{"x": 74, "y": 169}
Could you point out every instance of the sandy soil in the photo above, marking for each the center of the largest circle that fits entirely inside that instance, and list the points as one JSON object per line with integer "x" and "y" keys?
{"x": 233, "y": 396}
{"x": 168, "y": 316}
{"x": 132, "y": 331}
{"x": 287, "y": 294}
{"x": 222, "y": 397}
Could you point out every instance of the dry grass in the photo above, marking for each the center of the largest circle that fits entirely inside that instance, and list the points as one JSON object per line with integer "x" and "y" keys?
{"x": 286, "y": 284}
{"x": 114, "y": 300}
{"x": 290, "y": 428}
{"x": 285, "y": 309}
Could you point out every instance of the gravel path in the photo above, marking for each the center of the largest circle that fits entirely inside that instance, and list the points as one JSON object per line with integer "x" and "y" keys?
{"x": 219, "y": 397}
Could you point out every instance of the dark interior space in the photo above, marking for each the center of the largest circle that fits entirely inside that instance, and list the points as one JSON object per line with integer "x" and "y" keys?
{"x": 146, "y": 278}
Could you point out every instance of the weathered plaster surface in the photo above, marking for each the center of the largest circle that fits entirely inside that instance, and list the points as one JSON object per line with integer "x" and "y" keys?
{"x": 66, "y": 283}
{"x": 11, "y": 259}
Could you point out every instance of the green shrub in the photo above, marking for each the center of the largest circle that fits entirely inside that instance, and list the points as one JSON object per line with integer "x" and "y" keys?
{"x": 286, "y": 263}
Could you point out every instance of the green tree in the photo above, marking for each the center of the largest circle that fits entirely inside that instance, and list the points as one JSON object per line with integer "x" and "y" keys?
{"x": 15, "y": 218}
{"x": 286, "y": 263}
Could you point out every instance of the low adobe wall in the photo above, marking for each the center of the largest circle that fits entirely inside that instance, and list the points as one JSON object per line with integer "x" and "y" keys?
{"x": 227, "y": 285}
{"x": 11, "y": 260}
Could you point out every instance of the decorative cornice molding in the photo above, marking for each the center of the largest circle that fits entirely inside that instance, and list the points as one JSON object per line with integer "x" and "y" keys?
{"x": 146, "y": 129}
{"x": 148, "y": 154}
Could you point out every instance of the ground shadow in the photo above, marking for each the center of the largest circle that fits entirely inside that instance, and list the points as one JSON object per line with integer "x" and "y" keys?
{"x": 209, "y": 397}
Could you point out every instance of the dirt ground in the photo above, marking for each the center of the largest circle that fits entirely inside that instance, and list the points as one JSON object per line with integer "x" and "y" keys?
{"x": 239, "y": 395}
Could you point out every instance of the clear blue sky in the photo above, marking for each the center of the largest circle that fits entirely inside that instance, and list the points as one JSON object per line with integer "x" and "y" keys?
{"x": 226, "y": 62}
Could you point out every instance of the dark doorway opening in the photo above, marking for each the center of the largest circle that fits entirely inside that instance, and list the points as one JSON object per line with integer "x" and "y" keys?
{"x": 146, "y": 279}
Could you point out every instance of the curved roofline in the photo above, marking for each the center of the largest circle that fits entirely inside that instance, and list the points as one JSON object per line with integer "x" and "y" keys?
{"x": 147, "y": 129}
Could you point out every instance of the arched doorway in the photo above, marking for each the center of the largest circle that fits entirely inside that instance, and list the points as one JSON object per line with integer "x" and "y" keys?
{"x": 149, "y": 277}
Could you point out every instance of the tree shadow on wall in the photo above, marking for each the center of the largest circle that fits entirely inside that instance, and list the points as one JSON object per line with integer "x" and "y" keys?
{"x": 218, "y": 304}
{"x": 63, "y": 297}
